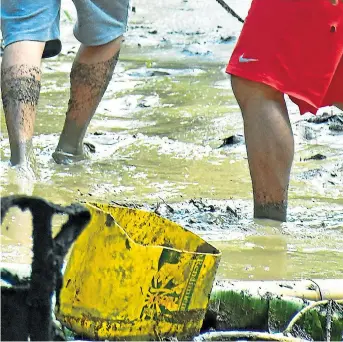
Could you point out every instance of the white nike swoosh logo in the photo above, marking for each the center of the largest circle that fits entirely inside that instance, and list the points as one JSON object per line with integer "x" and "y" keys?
{"x": 246, "y": 60}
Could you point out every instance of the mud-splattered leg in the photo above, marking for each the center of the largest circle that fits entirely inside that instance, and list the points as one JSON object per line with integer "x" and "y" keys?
{"x": 20, "y": 87}
{"x": 270, "y": 146}
{"x": 91, "y": 72}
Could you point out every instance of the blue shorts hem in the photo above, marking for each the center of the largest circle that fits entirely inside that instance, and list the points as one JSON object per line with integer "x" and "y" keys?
{"x": 52, "y": 47}
{"x": 100, "y": 40}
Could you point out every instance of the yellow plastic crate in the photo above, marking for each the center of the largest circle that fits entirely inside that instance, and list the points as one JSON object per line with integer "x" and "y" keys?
{"x": 133, "y": 275}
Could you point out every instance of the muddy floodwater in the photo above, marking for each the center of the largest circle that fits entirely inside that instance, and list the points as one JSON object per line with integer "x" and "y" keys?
{"x": 168, "y": 136}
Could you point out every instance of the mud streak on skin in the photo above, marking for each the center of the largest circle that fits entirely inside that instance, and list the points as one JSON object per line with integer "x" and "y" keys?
{"x": 92, "y": 80}
{"x": 88, "y": 85}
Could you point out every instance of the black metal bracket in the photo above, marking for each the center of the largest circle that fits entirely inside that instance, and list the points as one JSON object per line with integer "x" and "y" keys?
{"x": 26, "y": 306}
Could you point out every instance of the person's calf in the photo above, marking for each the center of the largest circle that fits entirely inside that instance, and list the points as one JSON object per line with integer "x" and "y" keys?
{"x": 269, "y": 142}
{"x": 89, "y": 82}
{"x": 20, "y": 88}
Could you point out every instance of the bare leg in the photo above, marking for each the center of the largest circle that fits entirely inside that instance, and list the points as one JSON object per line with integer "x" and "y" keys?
{"x": 270, "y": 145}
{"x": 339, "y": 105}
{"x": 91, "y": 72}
{"x": 20, "y": 85}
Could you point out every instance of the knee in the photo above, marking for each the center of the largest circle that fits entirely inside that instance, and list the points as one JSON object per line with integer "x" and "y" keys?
{"x": 242, "y": 89}
{"x": 113, "y": 44}
{"x": 243, "y": 93}
{"x": 253, "y": 93}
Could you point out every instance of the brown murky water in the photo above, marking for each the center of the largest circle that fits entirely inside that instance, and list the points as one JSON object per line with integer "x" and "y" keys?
{"x": 157, "y": 135}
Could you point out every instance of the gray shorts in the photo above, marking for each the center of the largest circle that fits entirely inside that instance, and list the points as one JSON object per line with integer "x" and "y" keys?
{"x": 98, "y": 22}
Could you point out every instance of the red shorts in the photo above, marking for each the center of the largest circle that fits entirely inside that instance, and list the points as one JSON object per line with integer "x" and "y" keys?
{"x": 295, "y": 46}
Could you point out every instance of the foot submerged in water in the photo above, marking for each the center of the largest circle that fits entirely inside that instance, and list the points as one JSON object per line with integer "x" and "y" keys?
{"x": 24, "y": 177}
{"x": 65, "y": 158}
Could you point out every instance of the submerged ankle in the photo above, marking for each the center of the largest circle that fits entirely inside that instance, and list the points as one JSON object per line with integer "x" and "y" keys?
{"x": 69, "y": 155}
{"x": 70, "y": 149}
{"x": 22, "y": 153}
{"x": 273, "y": 211}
